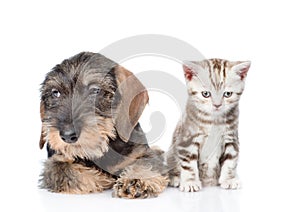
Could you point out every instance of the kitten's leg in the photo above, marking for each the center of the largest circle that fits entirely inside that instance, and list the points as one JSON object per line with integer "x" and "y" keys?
{"x": 189, "y": 172}
{"x": 172, "y": 159}
{"x": 173, "y": 169}
{"x": 174, "y": 177}
{"x": 228, "y": 161}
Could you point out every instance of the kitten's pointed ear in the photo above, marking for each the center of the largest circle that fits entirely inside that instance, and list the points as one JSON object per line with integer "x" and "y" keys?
{"x": 189, "y": 70}
{"x": 242, "y": 68}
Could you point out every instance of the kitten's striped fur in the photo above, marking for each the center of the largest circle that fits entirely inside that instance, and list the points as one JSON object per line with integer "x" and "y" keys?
{"x": 205, "y": 145}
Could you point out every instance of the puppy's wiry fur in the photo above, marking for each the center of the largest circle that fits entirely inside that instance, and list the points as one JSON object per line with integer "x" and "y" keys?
{"x": 90, "y": 108}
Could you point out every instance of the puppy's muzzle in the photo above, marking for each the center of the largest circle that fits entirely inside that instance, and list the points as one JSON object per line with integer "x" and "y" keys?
{"x": 69, "y": 135}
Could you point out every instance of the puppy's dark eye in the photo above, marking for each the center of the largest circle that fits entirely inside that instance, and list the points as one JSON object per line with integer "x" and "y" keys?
{"x": 55, "y": 93}
{"x": 206, "y": 94}
{"x": 94, "y": 90}
{"x": 227, "y": 94}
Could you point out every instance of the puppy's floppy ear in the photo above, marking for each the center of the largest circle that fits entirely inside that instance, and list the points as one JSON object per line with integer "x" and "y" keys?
{"x": 42, "y": 114}
{"x": 132, "y": 98}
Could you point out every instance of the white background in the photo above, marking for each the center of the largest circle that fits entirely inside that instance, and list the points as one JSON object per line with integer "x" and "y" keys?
{"x": 36, "y": 35}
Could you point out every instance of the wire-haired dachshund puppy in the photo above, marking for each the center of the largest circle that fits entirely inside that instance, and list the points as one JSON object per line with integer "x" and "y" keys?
{"x": 90, "y": 107}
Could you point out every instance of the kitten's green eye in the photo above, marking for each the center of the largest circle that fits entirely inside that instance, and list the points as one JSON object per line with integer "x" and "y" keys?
{"x": 205, "y": 94}
{"x": 227, "y": 94}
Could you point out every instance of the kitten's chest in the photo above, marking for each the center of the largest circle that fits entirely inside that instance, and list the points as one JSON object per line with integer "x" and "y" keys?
{"x": 212, "y": 144}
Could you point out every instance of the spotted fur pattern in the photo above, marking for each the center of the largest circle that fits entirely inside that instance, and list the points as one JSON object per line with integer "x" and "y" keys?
{"x": 205, "y": 145}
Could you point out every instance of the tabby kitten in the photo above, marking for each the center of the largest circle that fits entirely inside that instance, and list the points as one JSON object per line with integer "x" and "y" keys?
{"x": 205, "y": 142}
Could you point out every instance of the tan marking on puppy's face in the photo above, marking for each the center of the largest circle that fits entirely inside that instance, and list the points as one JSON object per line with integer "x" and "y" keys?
{"x": 91, "y": 144}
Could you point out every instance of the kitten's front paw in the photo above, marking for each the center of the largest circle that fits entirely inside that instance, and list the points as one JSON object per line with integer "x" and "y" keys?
{"x": 190, "y": 186}
{"x": 233, "y": 183}
{"x": 174, "y": 181}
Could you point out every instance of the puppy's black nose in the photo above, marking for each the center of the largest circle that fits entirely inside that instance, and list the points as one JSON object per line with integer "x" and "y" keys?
{"x": 69, "y": 136}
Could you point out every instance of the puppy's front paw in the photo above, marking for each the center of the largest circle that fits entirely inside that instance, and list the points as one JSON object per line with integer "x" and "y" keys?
{"x": 139, "y": 188}
{"x": 233, "y": 183}
{"x": 190, "y": 186}
{"x": 129, "y": 189}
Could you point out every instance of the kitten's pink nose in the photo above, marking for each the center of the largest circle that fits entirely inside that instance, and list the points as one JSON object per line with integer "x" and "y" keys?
{"x": 217, "y": 106}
